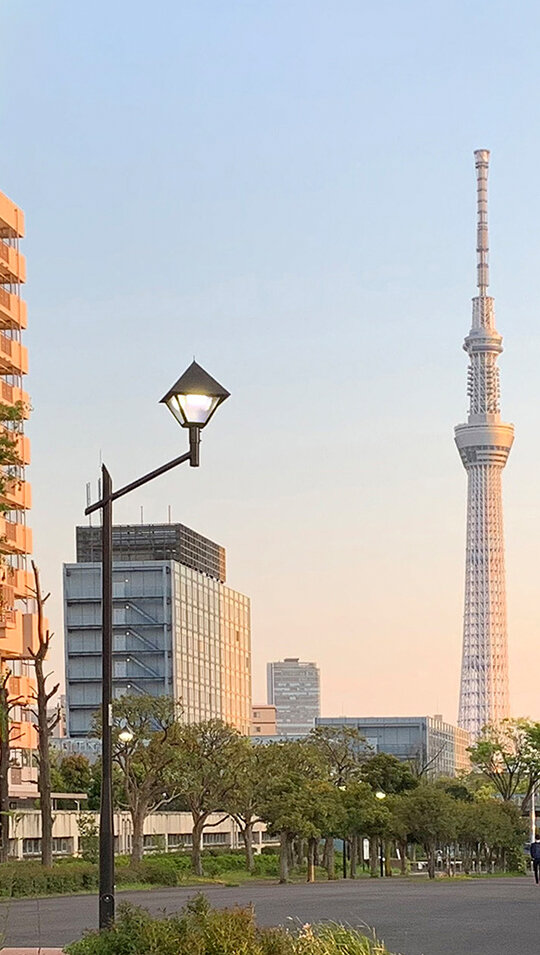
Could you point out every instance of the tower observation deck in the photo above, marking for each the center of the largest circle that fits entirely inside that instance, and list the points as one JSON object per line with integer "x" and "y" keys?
{"x": 484, "y": 444}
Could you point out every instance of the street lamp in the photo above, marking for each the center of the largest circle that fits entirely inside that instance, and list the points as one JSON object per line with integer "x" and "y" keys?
{"x": 380, "y": 795}
{"x": 193, "y": 399}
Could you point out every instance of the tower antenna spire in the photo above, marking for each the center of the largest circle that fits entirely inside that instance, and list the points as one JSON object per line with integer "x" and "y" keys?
{"x": 481, "y": 158}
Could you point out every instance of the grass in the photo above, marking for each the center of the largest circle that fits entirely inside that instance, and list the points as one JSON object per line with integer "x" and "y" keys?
{"x": 201, "y": 930}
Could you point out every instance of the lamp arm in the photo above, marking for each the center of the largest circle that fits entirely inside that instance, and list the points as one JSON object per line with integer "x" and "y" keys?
{"x": 192, "y": 456}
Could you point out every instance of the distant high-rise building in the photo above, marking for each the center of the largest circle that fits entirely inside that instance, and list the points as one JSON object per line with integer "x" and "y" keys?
{"x": 294, "y": 689}
{"x": 178, "y": 630}
{"x": 484, "y": 444}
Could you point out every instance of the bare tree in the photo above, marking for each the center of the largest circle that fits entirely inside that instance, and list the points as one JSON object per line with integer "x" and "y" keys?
{"x": 45, "y": 724}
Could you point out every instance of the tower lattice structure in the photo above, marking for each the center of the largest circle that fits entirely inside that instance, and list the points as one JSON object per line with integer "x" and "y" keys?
{"x": 484, "y": 444}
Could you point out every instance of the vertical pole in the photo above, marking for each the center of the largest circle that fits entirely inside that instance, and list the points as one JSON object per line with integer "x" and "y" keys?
{"x": 344, "y": 858}
{"x": 533, "y": 813}
{"x": 106, "y": 830}
{"x": 381, "y": 859}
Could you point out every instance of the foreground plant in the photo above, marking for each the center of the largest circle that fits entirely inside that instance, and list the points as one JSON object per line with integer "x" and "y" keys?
{"x": 201, "y": 930}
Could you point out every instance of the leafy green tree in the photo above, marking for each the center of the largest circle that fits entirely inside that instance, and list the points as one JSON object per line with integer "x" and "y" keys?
{"x": 148, "y": 761}
{"x": 209, "y": 760}
{"x": 73, "y": 774}
{"x": 490, "y": 831}
{"x": 388, "y": 774}
{"x": 293, "y": 766}
{"x": 509, "y": 756}
{"x": 365, "y": 815}
{"x": 343, "y": 749}
{"x": 118, "y": 788}
{"x": 244, "y": 800}
{"x": 426, "y": 815}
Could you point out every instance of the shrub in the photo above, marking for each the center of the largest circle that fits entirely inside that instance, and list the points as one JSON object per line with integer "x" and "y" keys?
{"x": 200, "y": 930}
{"x": 155, "y": 870}
{"x": 26, "y": 878}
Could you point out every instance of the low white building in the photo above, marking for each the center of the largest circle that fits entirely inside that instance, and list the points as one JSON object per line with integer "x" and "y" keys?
{"x": 163, "y": 832}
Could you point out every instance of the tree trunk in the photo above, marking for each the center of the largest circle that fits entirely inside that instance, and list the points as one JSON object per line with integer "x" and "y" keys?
{"x": 137, "y": 845}
{"x": 44, "y": 726}
{"x": 387, "y": 858}
{"x": 354, "y": 854}
{"x": 299, "y": 847}
{"x": 290, "y": 853}
{"x": 373, "y": 860}
{"x": 329, "y": 857}
{"x": 196, "y": 851}
{"x": 247, "y": 836}
{"x": 430, "y": 850}
{"x": 44, "y": 775}
{"x": 312, "y": 845}
{"x": 404, "y": 859}
{"x": 4, "y": 770}
{"x": 283, "y": 857}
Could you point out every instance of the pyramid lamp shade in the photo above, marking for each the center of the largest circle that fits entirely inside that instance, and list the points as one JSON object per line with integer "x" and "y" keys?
{"x": 194, "y": 397}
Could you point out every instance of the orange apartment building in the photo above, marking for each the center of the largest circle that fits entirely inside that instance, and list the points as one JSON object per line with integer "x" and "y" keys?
{"x": 18, "y": 620}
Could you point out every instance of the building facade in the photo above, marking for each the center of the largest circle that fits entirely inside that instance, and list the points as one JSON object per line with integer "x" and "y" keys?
{"x": 429, "y": 744}
{"x": 18, "y": 620}
{"x": 484, "y": 444}
{"x": 263, "y": 720}
{"x": 163, "y": 832}
{"x": 177, "y": 631}
{"x": 294, "y": 688}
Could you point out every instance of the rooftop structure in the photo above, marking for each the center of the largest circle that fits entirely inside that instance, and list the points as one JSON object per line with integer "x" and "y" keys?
{"x": 484, "y": 444}
{"x": 155, "y": 542}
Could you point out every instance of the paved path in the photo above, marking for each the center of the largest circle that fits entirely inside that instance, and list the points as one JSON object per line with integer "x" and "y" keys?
{"x": 485, "y": 917}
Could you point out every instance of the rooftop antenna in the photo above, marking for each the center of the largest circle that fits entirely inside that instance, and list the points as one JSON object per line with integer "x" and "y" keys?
{"x": 170, "y": 516}
{"x": 89, "y": 501}
{"x": 481, "y": 157}
{"x": 142, "y": 514}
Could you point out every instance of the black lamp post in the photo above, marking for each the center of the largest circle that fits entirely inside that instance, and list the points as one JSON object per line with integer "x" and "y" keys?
{"x": 192, "y": 400}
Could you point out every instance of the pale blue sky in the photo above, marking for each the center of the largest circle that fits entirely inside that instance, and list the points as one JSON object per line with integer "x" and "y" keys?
{"x": 286, "y": 190}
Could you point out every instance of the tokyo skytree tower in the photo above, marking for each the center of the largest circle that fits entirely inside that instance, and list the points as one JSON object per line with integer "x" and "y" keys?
{"x": 484, "y": 445}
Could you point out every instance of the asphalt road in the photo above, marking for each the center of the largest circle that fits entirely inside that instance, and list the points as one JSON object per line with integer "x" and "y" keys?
{"x": 486, "y": 917}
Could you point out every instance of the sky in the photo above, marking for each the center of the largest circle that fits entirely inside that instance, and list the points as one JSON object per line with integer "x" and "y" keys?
{"x": 286, "y": 190}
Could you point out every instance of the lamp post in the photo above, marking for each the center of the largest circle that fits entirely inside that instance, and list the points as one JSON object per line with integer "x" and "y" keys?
{"x": 193, "y": 399}
{"x": 380, "y": 795}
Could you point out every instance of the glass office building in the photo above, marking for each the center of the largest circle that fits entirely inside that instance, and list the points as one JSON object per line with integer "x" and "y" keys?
{"x": 176, "y": 631}
{"x": 427, "y": 742}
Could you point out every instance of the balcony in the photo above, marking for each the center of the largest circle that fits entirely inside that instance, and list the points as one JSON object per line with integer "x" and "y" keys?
{"x": 17, "y": 495}
{"x": 22, "y": 735}
{"x": 13, "y": 311}
{"x": 12, "y": 264}
{"x": 21, "y": 444}
{"x": 13, "y": 357}
{"x": 11, "y": 219}
{"x": 11, "y": 394}
{"x": 21, "y": 580}
{"x": 21, "y": 688}
{"x": 15, "y": 538}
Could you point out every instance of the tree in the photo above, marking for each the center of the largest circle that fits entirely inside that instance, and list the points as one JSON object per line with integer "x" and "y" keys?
{"x": 74, "y": 774}
{"x": 243, "y": 801}
{"x": 45, "y": 723}
{"x": 490, "y": 831}
{"x": 210, "y": 756}
{"x": 426, "y": 815}
{"x": 147, "y": 761}
{"x": 365, "y": 815}
{"x": 292, "y": 765}
{"x": 508, "y": 754}
{"x": 386, "y": 773}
